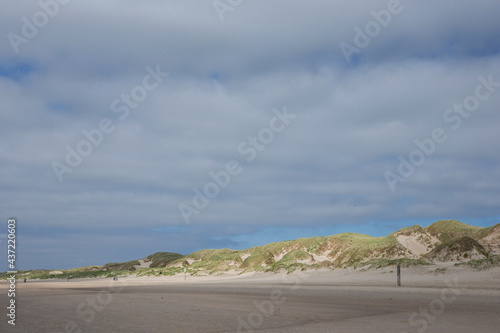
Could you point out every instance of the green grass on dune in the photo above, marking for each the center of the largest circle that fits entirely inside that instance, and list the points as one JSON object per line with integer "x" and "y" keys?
{"x": 362, "y": 247}
{"x": 123, "y": 266}
{"x": 482, "y": 264}
{"x": 258, "y": 257}
{"x": 161, "y": 259}
{"x": 339, "y": 251}
{"x": 345, "y": 250}
{"x": 289, "y": 261}
{"x": 452, "y": 248}
{"x": 215, "y": 260}
{"x": 447, "y": 230}
{"x": 165, "y": 271}
{"x": 407, "y": 231}
{"x": 74, "y": 273}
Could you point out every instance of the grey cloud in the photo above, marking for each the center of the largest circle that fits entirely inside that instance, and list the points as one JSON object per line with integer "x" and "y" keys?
{"x": 326, "y": 168}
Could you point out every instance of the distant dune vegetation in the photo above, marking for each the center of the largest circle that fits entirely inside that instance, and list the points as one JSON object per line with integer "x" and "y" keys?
{"x": 443, "y": 241}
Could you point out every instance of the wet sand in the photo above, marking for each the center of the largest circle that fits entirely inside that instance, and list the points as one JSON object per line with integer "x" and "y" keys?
{"x": 307, "y": 302}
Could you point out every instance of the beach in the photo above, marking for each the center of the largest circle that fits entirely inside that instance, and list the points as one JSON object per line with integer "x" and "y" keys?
{"x": 458, "y": 300}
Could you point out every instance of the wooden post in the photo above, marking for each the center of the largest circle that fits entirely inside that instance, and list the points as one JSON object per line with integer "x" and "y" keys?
{"x": 399, "y": 276}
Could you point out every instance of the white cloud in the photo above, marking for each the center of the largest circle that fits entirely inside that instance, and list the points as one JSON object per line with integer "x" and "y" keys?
{"x": 353, "y": 120}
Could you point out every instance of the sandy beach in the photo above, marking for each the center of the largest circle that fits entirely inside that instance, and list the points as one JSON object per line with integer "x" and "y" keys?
{"x": 459, "y": 300}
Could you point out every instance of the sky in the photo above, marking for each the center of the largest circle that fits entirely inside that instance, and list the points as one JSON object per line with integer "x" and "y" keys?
{"x": 132, "y": 127}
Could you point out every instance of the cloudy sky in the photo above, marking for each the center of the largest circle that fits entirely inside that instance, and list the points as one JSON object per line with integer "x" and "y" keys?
{"x": 131, "y": 127}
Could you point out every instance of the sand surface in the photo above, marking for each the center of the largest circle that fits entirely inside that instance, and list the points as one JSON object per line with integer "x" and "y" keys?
{"x": 459, "y": 300}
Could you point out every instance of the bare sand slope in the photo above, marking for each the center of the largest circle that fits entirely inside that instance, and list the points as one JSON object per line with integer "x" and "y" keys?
{"x": 314, "y": 301}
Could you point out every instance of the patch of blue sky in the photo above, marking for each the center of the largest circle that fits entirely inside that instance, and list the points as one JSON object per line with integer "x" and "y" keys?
{"x": 176, "y": 230}
{"x": 215, "y": 76}
{"x": 16, "y": 71}
{"x": 60, "y": 107}
{"x": 483, "y": 222}
{"x": 403, "y": 200}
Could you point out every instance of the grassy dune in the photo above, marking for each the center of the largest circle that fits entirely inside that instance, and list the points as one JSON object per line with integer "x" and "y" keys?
{"x": 446, "y": 240}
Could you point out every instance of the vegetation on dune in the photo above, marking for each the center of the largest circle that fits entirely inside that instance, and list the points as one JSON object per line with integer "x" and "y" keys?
{"x": 447, "y": 230}
{"x": 363, "y": 247}
{"x": 210, "y": 254}
{"x": 482, "y": 264}
{"x": 122, "y": 266}
{"x": 161, "y": 259}
{"x": 456, "y": 241}
{"x": 407, "y": 231}
{"x": 323, "y": 264}
{"x": 311, "y": 245}
{"x": 259, "y": 257}
{"x": 456, "y": 248}
{"x": 5, "y": 275}
{"x": 492, "y": 229}
{"x": 166, "y": 271}
{"x": 212, "y": 260}
{"x": 350, "y": 238}
{"x": 290, "y": 263}
{"x": 74, "y": 273}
